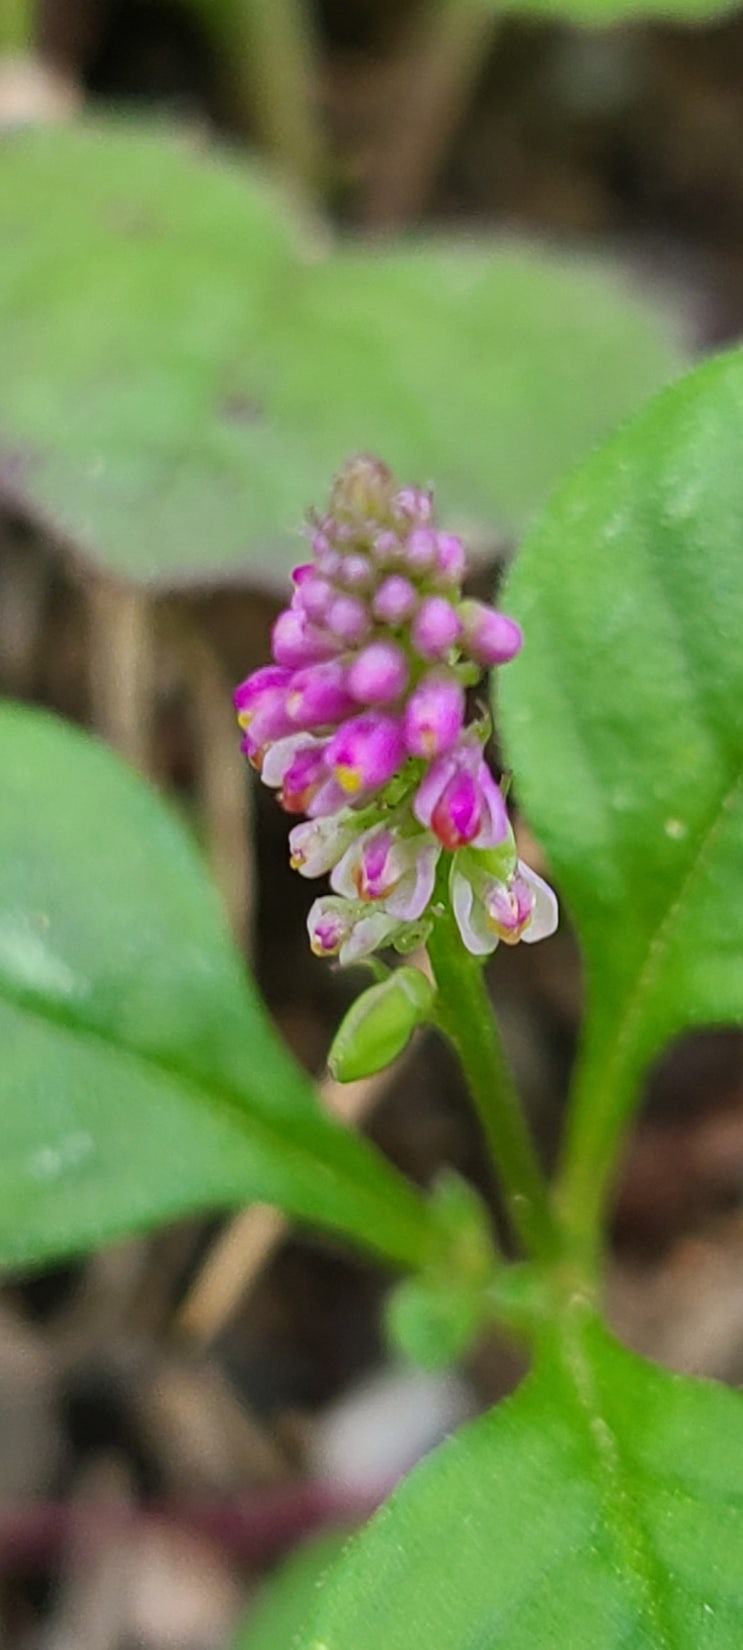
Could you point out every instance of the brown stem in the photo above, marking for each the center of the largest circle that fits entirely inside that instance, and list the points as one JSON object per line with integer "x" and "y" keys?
{"x": 121, "y": 668}
{"x": 430, "y": 91}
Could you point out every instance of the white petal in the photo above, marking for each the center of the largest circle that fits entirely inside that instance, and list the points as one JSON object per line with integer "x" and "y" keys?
{"x": 343, "y": 877}
{"x": 546, "y": 914}
{"x": 471, "y": 920}
{"x": 280, "y": 754}
{"x": 368, "y": 934}
{"x": 414, "y": 891}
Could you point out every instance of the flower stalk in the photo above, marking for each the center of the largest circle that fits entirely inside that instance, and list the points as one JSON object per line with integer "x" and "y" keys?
{"x": 465, "y": 1015}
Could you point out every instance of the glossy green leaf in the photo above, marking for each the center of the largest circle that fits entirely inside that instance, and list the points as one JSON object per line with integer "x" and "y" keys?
{"x": 181, "y": 378}
{"x": 601, "y": 1508}
{"x": 625, "y": 726}
{"x": 284, "y": 1602}
{"x": 140, "y": 1076}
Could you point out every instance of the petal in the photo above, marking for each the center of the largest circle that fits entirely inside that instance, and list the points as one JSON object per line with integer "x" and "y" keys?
{"x": 471, "y": 920}
{"x": 546, "y": 913}
{"x": 329, "y": 923}
{"x": 431, "y": 786}
{"x": 414, "y": 892}
{"x": 371, "y": 931}
{"x": 494, "y": 827}
{"x": 316, "y": 845}
{"x": 281, "y": 754}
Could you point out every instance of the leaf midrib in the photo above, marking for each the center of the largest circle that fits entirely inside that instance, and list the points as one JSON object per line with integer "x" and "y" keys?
{"x": 637, "y": 1555}
{"x": 234, "y": 1106}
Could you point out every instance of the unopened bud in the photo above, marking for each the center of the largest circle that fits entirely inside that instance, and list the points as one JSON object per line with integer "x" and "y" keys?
{"x": 380, "y": 1023}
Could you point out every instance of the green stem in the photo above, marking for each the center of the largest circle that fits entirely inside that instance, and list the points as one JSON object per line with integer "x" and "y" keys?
{"x": 466, "y": 1016}
{"x": 278, "y": 64}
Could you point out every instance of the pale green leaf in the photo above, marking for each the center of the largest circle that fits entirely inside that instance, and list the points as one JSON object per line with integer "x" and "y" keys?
{"x": 181, "y": 377}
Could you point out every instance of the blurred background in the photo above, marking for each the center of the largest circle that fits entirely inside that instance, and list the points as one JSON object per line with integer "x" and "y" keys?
{"x": 239, "y": 240}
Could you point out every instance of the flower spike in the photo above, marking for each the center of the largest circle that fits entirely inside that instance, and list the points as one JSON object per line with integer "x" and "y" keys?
{"x": 360, "y": 723}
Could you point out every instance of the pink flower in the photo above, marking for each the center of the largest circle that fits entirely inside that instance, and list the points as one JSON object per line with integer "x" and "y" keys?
{"x": 348, "y": 930}
{"x": 365, "y": 753}
{"x": 489, "y": 909}
{"x": 395, "y": 871}
{"x": 459, "y": 800}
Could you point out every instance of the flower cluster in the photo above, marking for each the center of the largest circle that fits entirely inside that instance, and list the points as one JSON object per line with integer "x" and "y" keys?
{"x": 361, "y": 723}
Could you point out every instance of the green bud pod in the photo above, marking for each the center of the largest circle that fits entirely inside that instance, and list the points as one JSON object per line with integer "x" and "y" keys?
{"x": 380, "y": 1023}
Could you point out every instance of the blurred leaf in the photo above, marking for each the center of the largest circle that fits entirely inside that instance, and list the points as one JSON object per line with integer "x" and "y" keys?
{"x": 624, "y": 720}
{"x": 140, "y": 1076}
{"x": 179, "y": 381}
{"x": 601, "y": 1506}
{"x": 602, "y": 13}
{"x": 487, "y": 368}
{"x": 285, "y": 1601}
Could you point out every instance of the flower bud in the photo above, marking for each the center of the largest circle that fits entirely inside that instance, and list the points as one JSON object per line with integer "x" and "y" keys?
{"x": 434, "y": 715}
{"x": 348, "y": 619}
{"x": 414, "y": 505}
{"x": 365, "y": 753}
{"x": 379, "y": 674}
{"x": 420, "y": 550}
{"x": 491, "y": 638}
{"x": 304, "y": 774}
{"x": 435, "y": 627}
{"x": 395, "y": 600}
{"x": 296, "y": 642}
{"x": 318, "y": 696}
{"x": 260, "y": 703}
{"x": 313, "y": 597}
{"x": 363, "y": 490}
{"x": 451, "y": 561}
{"x": 355, "y": 572}
{"x": 380, "y": 1023}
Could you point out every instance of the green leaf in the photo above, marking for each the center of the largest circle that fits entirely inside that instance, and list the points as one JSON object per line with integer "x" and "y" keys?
{"x": 602, "y": 13}
{"x": 140, "y": 1076}
{"x": 602, "y": 1506}
{"x": 283, "y": 1604}
{"x": 180, "y": 379}
{"x": 624, "y": 720}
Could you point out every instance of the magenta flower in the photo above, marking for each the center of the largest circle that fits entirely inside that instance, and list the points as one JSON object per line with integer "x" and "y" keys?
{"x": 459, "y": 800}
